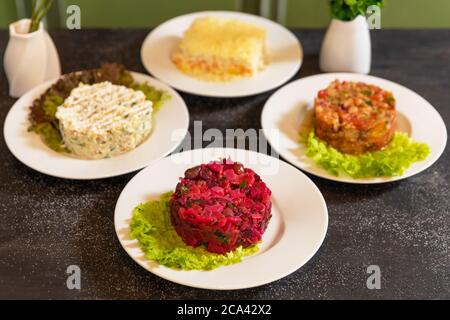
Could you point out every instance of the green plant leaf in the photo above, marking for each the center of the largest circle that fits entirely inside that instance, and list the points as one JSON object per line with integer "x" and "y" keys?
{"x": 39, "y": 10}
{"x": 347, "y": 10}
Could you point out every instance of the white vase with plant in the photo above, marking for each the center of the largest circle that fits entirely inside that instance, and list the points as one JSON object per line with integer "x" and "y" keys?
{"x": 346, "y": 46}
{"x": 30, "y": 57}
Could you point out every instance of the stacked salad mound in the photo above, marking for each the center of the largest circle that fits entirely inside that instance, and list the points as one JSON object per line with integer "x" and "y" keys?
{"x": 355, "y": 117}
{"x": 221, "y": 205}
{"x": 44, "y": 118}
{"x": 219, "y": 49}
{"x": 216, "y": 216}
{"x": 355, "y": 132}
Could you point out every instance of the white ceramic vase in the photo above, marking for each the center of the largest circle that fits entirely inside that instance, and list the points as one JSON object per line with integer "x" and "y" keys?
{"x": 346, "y": 47}
{"x": 30, "y": 58}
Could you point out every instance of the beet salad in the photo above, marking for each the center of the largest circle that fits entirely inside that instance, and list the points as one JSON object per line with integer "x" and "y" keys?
{"x": 221, "y": 205}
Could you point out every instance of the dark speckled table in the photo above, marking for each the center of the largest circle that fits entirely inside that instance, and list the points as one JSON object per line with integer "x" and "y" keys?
{"x": 47, "y": 223}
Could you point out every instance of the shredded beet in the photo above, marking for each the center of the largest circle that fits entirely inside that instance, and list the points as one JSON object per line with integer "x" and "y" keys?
{"x": 221, "y": 205}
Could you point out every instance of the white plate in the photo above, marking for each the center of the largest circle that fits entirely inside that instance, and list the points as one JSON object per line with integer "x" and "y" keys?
{"x": 284, "y": 50}
{"x": 295, "y": 232}
{"x": 170, "y": 126}
{"x": 285, "y": 111}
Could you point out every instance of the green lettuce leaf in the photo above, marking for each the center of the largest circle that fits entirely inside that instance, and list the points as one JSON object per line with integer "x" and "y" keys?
{"x": 157, "y": 97}
{"x": 49, "y": 129}
{"x": 393, "y": 160}
{"x": 152, "y": 227}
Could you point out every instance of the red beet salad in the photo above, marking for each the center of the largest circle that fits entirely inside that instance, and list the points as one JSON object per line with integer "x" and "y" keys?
{"x": 220, "y": 205}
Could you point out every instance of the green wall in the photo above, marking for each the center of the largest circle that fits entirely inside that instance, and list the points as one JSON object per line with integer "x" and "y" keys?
{"x": 140, "y": 13}
{"x": 299, "y": 13}
{"x": 417, "y": 14}
{"x": 395, "y": 14}
{"x": 7, "y": 12}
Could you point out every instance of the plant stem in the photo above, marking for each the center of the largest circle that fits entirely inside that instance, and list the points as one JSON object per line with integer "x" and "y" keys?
{"x": 38, "y": 13}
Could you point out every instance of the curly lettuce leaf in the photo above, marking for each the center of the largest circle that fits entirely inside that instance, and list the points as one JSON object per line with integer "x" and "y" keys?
{"x": 393, "y": 160}
{"x": 152, "y": 227}
{"x": 157, "y": 97}
{"x": 50, "y": 135}
{"x": 49, "y": 129}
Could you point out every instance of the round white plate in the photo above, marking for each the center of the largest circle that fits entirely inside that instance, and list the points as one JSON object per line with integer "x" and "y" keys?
{"x": 286, "y": 109}
{"x": 170, "y": 126}
{"x": 296, "y": 231}
{"x": 285, "y": 54}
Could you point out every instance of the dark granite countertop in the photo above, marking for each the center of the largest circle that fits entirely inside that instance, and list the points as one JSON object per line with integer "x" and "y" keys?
{"x": 403, "y": 227}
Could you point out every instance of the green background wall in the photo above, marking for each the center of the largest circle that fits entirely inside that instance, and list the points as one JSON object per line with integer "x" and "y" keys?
{"x": 139, "y": 13}
{"x": 298, "y": 13}
{"x": 395, "y": 14}
{"x": 7, "y": 12}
